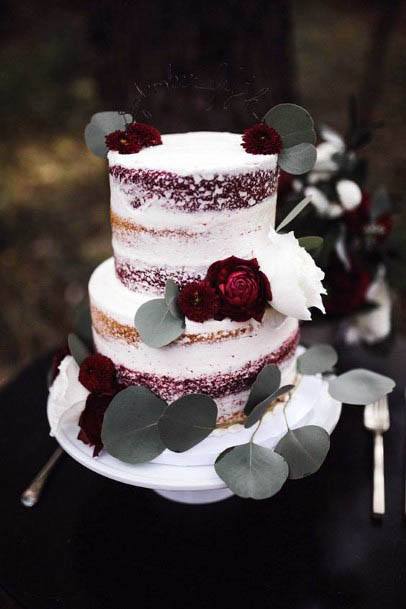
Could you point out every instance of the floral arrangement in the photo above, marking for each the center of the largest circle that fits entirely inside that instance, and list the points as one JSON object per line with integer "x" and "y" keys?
{"x": 135, "y": 425}
{"x": 356, "y": 224}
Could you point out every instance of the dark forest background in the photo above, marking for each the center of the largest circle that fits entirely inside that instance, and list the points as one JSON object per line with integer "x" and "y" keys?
{"x": 182, "y": 66}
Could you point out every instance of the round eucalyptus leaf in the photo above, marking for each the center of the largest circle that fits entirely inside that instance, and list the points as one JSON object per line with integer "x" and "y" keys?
{"x": 311, "y": 244}
{"x": 360, "y": 387}
{"x": 171, "y": 297}
{"x": 130, "y": 426}
{"x": 266, "y": 383}
{"x": 252, "y": 471}
{"x": 77, "y": 348}
{"x": 188, "y": 421}
{"x": 298, "y": 159}
{"x": 156, "y": 324}
{"x": 317, "y": 359}
{"x": 100, "y": 125}
{"x": 260, "y": 409}
{"x": 82, "y": 324}
{"x": 304, "y": 449}
{"x": 293, "y": 123}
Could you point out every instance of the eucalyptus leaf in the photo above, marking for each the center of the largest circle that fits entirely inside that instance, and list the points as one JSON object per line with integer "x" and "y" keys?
{"x": 171, "y": 297}
{"x": 260, "y": 409}
{"x": 311, "y": 244}
{"x": 293, "y": 213}
{"x": 156, "y": 324}
{"x": 100, "y": 125}
{"x": 304, "y": 449}
{"x": 82, "y": 324}
{"x": 266, "y": 383}
{"x": 188, "y": 421}
{"x": 298, "y": 159}
{"x": 77, "y": 348}
{"x": 360, "y": 387}
{"x": 130, "y": 426}
{"x": 252, "y": 471}
{"x": 317, "y": 359}
{"x": 293, "y": 123}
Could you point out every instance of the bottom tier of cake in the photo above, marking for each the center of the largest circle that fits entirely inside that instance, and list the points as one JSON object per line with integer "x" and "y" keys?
{"x": 221, "y": 359}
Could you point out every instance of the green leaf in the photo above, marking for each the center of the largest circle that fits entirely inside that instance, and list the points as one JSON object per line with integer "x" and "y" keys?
{"x": 82, "y": 324}
{"x": 252, "y": 471}
{"x": 317, "y": 359}
{"x": 188, "y": 421}
{"x": 130, "y": 426}
{"x": 156, "y": 324}
{"x": 313, "y": 245}
{"x": 100, "y": 125}
{"x": 293, "y": 123}
{"x": 304, "y": 449}
{"x": 171, "y": 297}
{"x": 77, "y": 349}
{"x": 266, "y": 383}
{"x": 360, "y": 387}
{"x": 298, "y": 159}
{"x": 260, "y": 409}
{"x": 293, "y": 213}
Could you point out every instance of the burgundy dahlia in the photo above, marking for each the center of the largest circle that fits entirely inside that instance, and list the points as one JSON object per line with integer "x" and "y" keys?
{"x": 97, "y": 373}
{"x": 243, "y": 289}
{"x": 261, "y": 139}
{"x": 91, "y": 421}
{"x": 147, "y": 135}
{"x": 123, "y": 142}
{"x": 198, "y": 301}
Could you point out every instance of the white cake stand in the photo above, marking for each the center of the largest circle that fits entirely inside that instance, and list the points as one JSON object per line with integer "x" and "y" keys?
{"x": 190, "y": 477}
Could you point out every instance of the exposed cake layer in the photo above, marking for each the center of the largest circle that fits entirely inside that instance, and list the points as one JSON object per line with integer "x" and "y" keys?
{"x": 177, "y": 207}
{"x": 221, "y": 359}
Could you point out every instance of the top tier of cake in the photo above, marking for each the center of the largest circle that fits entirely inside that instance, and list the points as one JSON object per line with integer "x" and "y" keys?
{"x": 178, "y": 207}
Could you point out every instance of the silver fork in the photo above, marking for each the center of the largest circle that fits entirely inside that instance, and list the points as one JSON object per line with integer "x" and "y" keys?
{"x": 31, "y": 495}
{"x": 376, "y": 419}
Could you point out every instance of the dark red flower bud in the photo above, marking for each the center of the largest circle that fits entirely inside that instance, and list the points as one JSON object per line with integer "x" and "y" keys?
{"x": 98, "y": 374}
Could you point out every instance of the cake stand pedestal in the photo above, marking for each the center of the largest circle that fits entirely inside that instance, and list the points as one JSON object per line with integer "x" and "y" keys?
{"x": 190, "y": 477}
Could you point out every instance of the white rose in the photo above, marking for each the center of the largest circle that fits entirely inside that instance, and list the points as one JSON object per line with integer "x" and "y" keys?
{"x": 323, "y": 206}
{"x": 294, "y": 277}
{"x": 66, "y": 391}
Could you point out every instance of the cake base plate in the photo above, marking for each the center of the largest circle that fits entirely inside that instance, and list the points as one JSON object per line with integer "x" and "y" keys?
{"x": 198, "y": 484}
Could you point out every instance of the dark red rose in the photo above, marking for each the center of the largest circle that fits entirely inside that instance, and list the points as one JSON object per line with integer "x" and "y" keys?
{"x": 146, "y": 135}
{"x": 357, "y": 219}
{"x": 346, "y": 289}
{"x": 98, "y": 374}
{"x": 91, "y": 421}
{"x": 199, "y": 301}
{"x": 243, "y": 289}
{"x": 59, "y": 355}
{"x": 123, "y": 141}
{"x": 261, "y": 139}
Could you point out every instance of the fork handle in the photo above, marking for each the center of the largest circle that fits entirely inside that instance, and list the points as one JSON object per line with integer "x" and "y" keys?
{"x": 31, "y": 494}
{"x": 378, "y": 500}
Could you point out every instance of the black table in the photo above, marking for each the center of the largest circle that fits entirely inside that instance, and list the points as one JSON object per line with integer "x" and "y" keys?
{"x": 92, "y": 543}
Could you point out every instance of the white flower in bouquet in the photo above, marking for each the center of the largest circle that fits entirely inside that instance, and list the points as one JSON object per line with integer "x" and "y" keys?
{"x": 66, "y": 392}
{"x": 326, "y": 163}
{"x": 294, "y": 277}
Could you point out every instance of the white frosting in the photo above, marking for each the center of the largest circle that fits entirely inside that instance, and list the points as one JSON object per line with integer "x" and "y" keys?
{"x": 203, "y": 153}
{"x": 205, "y": 237}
